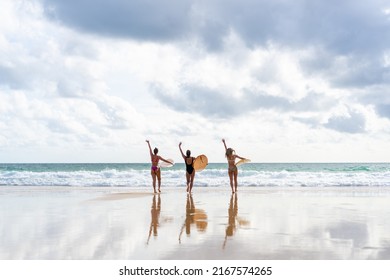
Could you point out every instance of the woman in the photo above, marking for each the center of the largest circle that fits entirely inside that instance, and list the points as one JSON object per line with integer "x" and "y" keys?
{"x": 190, "y": 171}
{"x": 232, "y": 168}
{"x": 155, "y": 171}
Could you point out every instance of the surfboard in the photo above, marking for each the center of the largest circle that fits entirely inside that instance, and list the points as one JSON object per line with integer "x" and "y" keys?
{"x": 200, "y": 163}
{"x": 164, "y": 164}
{"x": 242, "y": 161}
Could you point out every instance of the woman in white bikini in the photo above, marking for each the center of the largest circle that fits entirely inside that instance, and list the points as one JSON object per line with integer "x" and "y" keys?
{"x": 232, "y": 168}
{"x": 155, "y": 171}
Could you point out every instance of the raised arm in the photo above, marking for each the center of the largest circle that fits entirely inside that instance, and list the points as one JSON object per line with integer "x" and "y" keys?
{"x": 224, "y": 143}
{"x": 150, "y": 149}
{"x": 181, "y": 151}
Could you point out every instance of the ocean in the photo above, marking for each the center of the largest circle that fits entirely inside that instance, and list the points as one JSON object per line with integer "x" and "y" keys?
{"x": 215, "y": 175}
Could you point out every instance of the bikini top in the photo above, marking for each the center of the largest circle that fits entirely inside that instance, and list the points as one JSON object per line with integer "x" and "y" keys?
{"x": 155, "y": 160}
{"x": 231, "y": 159}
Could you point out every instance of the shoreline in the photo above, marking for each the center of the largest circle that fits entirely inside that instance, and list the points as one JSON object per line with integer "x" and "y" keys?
{"x": 290, "y": 223}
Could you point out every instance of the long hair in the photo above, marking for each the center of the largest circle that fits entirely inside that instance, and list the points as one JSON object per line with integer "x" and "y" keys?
{"x": 229, "y": 152}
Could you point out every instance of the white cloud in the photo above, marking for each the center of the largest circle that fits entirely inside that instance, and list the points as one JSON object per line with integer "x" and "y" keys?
{"x": 256, "y": 73}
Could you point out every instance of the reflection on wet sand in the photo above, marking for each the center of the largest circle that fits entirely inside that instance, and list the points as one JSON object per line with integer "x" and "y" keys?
{"x": 232, "y": 218}
{"x": 155, "y": 216}
{"x": 193, "y": 216}
{"x": 284, "y": 224}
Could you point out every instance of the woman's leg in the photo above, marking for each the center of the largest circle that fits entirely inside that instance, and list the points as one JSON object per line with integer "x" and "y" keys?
{"x": 192, "y": 176}
{"x": 188, "y": 177}
{"x": 158, "y": 175}
{"x": 231, "y": 180}
{"x": 154, "y": 180}
{"x": 235, "y": 174}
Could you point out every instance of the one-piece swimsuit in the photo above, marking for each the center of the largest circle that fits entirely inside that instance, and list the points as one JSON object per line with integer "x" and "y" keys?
{"x": 189, "y": 167}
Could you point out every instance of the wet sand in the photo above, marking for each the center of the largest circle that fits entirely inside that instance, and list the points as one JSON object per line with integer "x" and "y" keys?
{"x": 256, "y": 223}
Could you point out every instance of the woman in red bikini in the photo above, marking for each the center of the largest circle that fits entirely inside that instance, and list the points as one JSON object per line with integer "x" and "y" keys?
{"x": 232, "y": 168}
{"x": 155, "y": 171}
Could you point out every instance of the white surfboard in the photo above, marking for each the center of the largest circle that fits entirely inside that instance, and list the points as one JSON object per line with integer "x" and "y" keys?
{"x": 164, "y": 164}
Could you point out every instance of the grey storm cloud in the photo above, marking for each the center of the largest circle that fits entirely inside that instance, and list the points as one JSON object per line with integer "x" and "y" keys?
{"x": 145, "y": 20}
{"x": 357, "y": 30}
{"x": 343, "y": 26}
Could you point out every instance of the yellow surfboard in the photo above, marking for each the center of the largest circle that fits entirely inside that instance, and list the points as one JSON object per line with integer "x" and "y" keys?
{"x": 242, "y": 161}
{"x": 200, "y": 163}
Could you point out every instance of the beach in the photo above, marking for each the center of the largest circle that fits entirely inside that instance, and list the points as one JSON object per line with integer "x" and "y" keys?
{"x": 265, "y": 223}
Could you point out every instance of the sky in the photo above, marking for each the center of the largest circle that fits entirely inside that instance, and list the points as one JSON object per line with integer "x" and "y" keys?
{"x": 281, "y": 81}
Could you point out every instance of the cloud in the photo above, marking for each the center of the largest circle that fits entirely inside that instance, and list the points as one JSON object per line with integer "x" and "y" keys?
{"x": 145, "y": 20}
{"x": 353, "y": 122}
{"x": 10, "y": 79}
{"x": 383, "y": 110}
{"x": 216, "y": 103}
{"x": 378, "y": 97}
{"x": 54, "y": 90}
{"x": 349, "y": 40}
{"x": 104, "y": 74}
{"x": 349, "y": 71}
{"x": 344, "y": 26}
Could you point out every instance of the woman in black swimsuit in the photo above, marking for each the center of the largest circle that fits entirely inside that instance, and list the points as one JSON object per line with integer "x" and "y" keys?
{"x": 190, "y": 171}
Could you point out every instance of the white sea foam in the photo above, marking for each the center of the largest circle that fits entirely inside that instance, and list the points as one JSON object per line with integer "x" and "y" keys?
{"x": 209, "y": 177}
